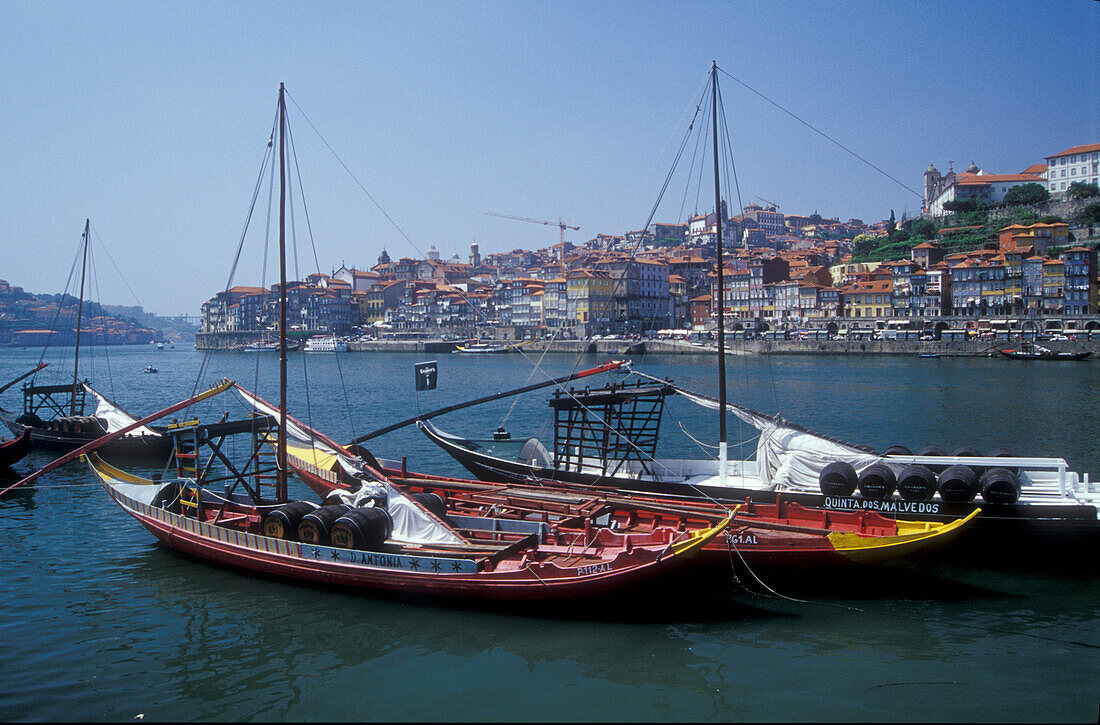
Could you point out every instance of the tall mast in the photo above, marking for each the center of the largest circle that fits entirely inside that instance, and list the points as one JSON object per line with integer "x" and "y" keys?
{"x": 79, "y": 319}
{"x": 281, "y": 459}
{"x": 721, "y": 286}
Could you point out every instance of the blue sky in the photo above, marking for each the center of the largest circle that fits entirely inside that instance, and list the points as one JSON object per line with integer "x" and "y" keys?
{"x": 151, "y": 119}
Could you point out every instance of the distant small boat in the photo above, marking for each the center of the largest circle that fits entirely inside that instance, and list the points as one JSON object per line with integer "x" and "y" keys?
{"x": 1032, "y": 351}
{"x": 484, "y": 348}
{"x": 928, "y": 354}
{"x": 269, "y": 346}
{"x": 149, "y": 369}
{"x": 325, "y": 343}
{"x": 160, "y": 345}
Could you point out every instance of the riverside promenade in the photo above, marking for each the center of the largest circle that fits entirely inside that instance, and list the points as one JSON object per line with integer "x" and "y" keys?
{"x": 765, "y": 346}
{"x": 944, "y": 348}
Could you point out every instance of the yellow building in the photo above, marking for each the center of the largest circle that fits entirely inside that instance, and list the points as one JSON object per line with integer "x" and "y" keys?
{"x": 589, "y": 298}
{"x": 872, "y": 299}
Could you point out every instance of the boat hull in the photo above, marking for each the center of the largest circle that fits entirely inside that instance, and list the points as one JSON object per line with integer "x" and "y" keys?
{"x": 145, "y": 448}
{"x": 11, "y": 452}
{"x": 1019, "y": 355}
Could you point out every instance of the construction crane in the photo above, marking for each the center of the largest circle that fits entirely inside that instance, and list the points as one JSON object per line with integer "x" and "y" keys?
{"x": 775, "y": 205}
{"x": 559, "y": 224}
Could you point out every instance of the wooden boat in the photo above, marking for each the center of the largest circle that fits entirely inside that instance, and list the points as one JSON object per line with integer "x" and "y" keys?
{"x": 482, "y": 348}
{"x": 1034, "y": 351}
{"x": 452, "y": 556}
{"x": 12, "y": 451}
{"x": 56, "y": 415}
{"x": 67, "y": 432}
{"x": 267, "y": 346}
{"x": 1029, "y": 501}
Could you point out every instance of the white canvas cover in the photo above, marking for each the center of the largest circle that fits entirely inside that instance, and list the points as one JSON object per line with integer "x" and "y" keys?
{"x": 116, "y": 417}
{"x": 412, "y": 523}
{"x": 788, "y": 457}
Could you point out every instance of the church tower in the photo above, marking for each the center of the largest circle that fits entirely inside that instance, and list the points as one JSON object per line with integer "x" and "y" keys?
{"x": 475, "y": 255}
{"x": 931, "y": 185}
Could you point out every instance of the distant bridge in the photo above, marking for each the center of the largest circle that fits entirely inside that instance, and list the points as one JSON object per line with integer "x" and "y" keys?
{"x": 195, "y": 320}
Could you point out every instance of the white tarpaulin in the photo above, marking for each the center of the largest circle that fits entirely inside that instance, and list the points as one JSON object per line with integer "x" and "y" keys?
{"x": 412, "y": 523}
{"x": 791, "y": 459}
{"x": 116, "y": 417}
{"x": 787, "y": 457}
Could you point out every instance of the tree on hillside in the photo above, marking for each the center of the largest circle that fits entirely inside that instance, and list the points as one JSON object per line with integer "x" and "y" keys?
{"x": 1081, "y": 190}
{"x": 923, "y": 228}
{"x": 863, "y": 245}
{"x": 1026, "y": 194}
{"x": 1091, "y": 215}
{"x": 893, "y": 223}
{"x": 965, "y": 205}
{"x": 899, "y": 236}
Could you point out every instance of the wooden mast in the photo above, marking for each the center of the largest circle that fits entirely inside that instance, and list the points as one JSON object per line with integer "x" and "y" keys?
{"x": 79, "y": 318}
{"x": 721, "y": 287}
{"x": 281, "y": 458}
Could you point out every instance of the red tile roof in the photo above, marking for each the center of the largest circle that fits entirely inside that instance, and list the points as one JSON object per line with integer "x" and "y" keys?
{"x": 965, "y": 179}
{"x": 1077, "y": 150}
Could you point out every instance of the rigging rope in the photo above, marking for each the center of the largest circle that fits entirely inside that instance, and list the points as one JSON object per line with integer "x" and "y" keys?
{"x": 826, "y": 136}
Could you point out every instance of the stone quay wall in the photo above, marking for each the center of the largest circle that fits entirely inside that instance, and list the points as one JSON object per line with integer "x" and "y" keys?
{"x": 619, "y": 348}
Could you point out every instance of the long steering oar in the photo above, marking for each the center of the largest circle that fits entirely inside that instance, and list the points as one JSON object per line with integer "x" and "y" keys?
{"x": 614, "y": 364}
{"x": 103, "y": 440}
{"x": 24, "y": 375}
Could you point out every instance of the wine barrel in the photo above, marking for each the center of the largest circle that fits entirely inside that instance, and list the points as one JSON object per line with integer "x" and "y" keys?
{"x": 282, "y": 523}
{"x": 933, "y": 451}
{"x": 1000, "y": 485}
{"x": 917, "y": 483}
{"x": 315, "y": 526}
{"x": 1002, "y": 452}
{"x": 877, "y": 481}
{"x": 364, "y": 528}
{"x": 897, "y": 451}
{"x": 958, "y": 484}
{"x": 838, "y": 479}
{"x": 969, "y": 452}
{"x": 433, "y": 502}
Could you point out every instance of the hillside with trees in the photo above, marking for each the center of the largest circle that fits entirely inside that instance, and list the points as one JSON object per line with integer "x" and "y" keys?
{"x": 971, "y": 226}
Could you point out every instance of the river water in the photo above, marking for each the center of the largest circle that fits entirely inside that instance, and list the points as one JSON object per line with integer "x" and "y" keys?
{"x": 99, "y": 622}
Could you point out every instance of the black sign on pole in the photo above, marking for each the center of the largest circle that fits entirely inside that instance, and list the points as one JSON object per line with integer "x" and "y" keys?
{"x": 426, "y": 373}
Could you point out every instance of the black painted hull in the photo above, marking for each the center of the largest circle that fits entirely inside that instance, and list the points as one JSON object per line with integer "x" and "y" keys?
{"x": 1016, "y": 355}
{"x": 142, "y": 448}
{"x": 11, "y": 452}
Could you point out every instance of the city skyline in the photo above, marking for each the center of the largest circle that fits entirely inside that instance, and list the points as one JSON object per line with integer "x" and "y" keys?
{"x": 151, "y": 119}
